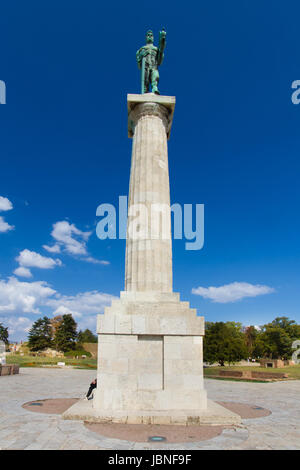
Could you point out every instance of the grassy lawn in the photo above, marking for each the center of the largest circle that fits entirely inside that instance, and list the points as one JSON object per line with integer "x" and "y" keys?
{"x": 35, "y": 361}
{"x": 89, "y": 363}
{"x": 292, "y": 371}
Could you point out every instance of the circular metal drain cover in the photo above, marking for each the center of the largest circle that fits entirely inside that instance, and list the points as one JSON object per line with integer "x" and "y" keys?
{"x": 35, "y": 404}
{"x": 156, "y": 439}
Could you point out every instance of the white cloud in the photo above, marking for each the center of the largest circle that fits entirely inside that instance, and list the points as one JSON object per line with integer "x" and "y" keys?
{"x": 32, "y": 259}
{"x": 23, "y": 297}
{"x": 4, "y": 226}
{"x": 90, "y": 259}
{"x": 29, "y": 297}
{"x": 62, "y": 310}
{"x": 84, "y": 306}
{"x": 37, "y": 298}
{"x": 73, "y": 241}
{"x": 88, "y": 321}
{"x": 18, "y": 327}
{"x": 23, "y": 272}
{"x": 83, "y": 303}
{"x": 232, "y": 292}
{"x": 64, "y": 233}
{"x": 52, "y": 249}
{"x": 5, "y": 204}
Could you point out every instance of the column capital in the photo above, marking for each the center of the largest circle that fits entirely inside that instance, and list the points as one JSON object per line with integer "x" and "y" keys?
{"x": 150, "y": 104}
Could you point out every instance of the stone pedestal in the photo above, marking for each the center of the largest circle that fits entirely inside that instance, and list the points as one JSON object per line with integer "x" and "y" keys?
{"x": 150, "y": 364}
{"x": 150, "y": 343}
{"x": 150, "y": 355}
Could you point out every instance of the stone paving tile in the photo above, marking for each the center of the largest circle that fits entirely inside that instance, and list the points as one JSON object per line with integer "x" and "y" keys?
{"x": 6, "y": 445}
{"x": 33, "y": 447}
{"x": 22, "y": 429}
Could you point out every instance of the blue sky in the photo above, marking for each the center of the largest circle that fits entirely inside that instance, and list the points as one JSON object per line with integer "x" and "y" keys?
{"x": 234, "y": 147}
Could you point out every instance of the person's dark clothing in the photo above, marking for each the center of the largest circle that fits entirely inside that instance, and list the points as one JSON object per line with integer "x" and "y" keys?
{"x": 92, "y": 386}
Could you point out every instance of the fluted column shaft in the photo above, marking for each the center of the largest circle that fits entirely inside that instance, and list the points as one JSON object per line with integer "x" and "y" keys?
{"x": 149, "y": 244}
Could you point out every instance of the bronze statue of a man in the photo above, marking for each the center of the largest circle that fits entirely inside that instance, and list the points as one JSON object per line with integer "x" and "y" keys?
{"x": 149, "y": 57}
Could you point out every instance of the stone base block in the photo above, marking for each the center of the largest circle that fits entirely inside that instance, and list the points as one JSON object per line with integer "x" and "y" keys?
{"x": 150, "y": 313}
{"x": 214, "y": 414}
{"x": 146, "y": 399}
{"x": 9, "y": 369}
{"x": 149, "y": 355}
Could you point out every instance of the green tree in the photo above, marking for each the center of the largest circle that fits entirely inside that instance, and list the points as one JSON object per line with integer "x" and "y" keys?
{"x": 224, "y": 343}
{"x": 276, "y": 343}
{"x": 277, "y": 337}
{"x": 236, "y": 325}
{"x": 55, "y": 322}
{"x": 40, "y": 335}
{"x": 289, "y": 326}
{"x": 86, "y": 336}
{"x": 66, "y": 334}
{"x": 251, "y": 335}
{"x": 258, "y": 346}
{"x": 4, "y": 334}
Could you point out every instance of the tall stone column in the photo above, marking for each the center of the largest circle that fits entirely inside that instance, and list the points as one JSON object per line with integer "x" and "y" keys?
{"x": 149, "y": 246}
{"x": 150, "y": 360}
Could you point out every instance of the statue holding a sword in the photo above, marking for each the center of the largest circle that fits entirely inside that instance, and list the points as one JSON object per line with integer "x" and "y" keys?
{"x": 149, "y": 57}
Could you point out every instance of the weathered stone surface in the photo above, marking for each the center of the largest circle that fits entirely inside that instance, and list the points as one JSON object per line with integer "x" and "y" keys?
{"x": 213, "y": 414}
{"x": 9, "y": 369}
{"x": 150, "y": 372}
{"x": 150, "y": 343}
{"x": 167, "y": 102}
{"x": 148, "y": 264}
{"x": 251, "y": 374}
{"x": 152, "y": 318}
{"x": 150, "y": 361}
{"x": 26, "y": 430}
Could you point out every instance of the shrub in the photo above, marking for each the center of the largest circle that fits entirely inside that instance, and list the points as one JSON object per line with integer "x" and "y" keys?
{"x": 77, "y": 352}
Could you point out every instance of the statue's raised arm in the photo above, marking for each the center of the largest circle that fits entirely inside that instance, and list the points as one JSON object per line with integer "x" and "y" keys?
{"x": 161, "y": 46}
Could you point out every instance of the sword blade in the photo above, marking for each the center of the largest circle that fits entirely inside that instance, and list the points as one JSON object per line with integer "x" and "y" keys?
{"x": 143, "y": 76}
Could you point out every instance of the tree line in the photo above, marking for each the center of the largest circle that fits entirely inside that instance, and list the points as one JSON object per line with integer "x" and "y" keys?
{"x": 230, "y": 342}
{"x": 224, "y": 342}
{"x": 59, "y": 333}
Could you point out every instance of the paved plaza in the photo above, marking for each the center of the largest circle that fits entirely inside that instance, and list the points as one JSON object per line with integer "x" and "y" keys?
{"x": 23, "y": 429}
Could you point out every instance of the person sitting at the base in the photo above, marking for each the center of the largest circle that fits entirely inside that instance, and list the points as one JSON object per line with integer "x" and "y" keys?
{"x": 93, "y": 385}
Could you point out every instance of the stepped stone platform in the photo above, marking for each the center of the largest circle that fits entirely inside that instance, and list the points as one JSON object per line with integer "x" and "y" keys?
{"x": 214, "y": 414}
